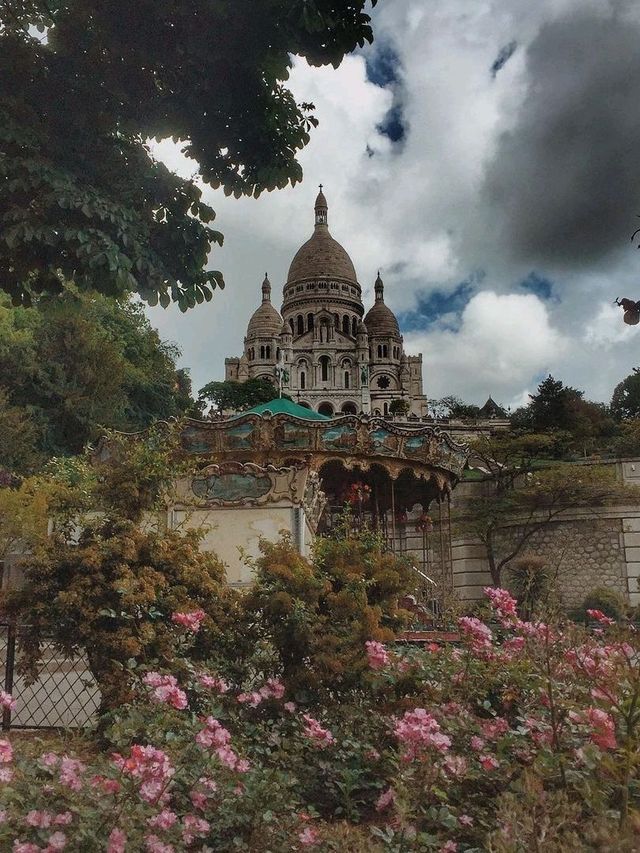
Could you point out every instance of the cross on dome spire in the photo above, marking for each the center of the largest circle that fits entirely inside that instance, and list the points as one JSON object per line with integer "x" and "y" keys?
{"x": 266, "y": 289}
{"x": 379, "y": 289}
{"x": 321, "y": 209}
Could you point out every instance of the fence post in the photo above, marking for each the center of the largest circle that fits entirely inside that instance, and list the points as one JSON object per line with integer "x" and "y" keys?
{"x": 8, "y": 672}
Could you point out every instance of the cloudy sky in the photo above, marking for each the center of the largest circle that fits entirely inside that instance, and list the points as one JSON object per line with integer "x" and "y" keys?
{"x": 484, "y": 155}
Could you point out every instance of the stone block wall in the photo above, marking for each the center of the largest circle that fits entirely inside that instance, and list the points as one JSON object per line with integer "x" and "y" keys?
{"x": 583, "y": 554}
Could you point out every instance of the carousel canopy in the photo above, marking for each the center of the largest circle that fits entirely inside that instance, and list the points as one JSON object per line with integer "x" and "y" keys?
{"x": 288, "y": 407}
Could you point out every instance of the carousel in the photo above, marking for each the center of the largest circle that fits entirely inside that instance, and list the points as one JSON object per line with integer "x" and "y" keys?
{"x": 283, "y": 467}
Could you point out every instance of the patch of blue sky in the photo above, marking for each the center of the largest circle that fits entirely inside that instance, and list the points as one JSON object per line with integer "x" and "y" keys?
{"x": 440, "y": 307}
{"x": 382, "y": 64}
{"x": 393, "y": 124}
{"x": 540, "y": 286}
{"x": 504, "y": 55}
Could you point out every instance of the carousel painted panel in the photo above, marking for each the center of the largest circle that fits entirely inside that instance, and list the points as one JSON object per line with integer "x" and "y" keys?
{"x": 338, "y": 438}
{"x": 198, "y": 440}
{"x": 231, "y": 487}
{"x": 293, "y": 436}
{"x": 384, "y": 442}
{"x": 239, "y": 437}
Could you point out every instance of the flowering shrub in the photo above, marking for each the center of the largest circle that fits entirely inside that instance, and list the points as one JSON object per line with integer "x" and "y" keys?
{"x": 525, "y": 736}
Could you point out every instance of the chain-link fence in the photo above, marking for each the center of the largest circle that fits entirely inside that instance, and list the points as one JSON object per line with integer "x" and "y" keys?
{"x": 65, "y": 694}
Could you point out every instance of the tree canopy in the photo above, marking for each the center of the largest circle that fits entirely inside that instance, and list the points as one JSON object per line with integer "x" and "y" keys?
{"x": 625, "y": 402}
{"x": 71, "y": 366}
{"x": 84, "y": 85}
{"x": 230, "y": 396}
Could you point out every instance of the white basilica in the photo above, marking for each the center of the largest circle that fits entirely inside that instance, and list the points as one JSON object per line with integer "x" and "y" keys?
{"x": 333, "y": 357}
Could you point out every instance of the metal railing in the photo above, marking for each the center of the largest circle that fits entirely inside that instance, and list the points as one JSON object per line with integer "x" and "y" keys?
{"x": 64, "y": 695}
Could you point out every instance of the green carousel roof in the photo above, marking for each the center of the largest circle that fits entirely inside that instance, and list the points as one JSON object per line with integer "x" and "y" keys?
{"x": 288, "y": 407}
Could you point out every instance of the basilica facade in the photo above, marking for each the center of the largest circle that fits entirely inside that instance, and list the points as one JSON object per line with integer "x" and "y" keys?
{"x": 325, "y": 351}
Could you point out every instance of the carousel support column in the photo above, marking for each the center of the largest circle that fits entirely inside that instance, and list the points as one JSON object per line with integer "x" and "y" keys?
{"x": 450, "y": 543}
{"x": 443, "y": 569}
{"x": 393, "y": 515}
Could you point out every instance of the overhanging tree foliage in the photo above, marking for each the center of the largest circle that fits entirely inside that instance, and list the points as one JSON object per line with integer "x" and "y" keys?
{"x": 83, "y": 84}
{"x": 71, "y": 366}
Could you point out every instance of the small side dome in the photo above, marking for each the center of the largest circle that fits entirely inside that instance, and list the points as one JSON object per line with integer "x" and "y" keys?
{"x": 266, "y": 322}
{"x": 380, "y": 319}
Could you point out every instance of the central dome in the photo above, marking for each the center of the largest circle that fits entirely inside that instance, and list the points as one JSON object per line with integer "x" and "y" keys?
{"x": 321, "y": 256}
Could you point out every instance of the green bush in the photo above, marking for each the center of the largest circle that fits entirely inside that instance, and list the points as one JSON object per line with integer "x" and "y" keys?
{"x": 607, "y": 600}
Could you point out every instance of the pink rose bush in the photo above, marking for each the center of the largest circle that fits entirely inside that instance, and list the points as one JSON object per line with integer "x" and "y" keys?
{"x": 434, "y": 746}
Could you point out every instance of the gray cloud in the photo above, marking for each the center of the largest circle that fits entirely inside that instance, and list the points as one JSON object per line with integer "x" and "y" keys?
{"x": 564, "y": 184}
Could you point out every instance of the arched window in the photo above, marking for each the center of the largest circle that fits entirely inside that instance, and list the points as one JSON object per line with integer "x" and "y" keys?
{"x": 325, "y": 363}
{"x": 385, "y": 351}
{"x": 386, "y": 410}
{"x": 268, "y": 352}
{"x": 347, "y": 378}
{"x": 325, "y": 409}
{"x": 379, "y": 350}
{"x": 303, "y": 380}
{"x": 345, "y": 324}
{"x": 262, "y": 352}
{"x": 291, "y": 324}
{"x": 309, "y": 322}
{"x": 354, "y": 326}
{"x": 300, "y": 322}
{"x": 349, "y": 409}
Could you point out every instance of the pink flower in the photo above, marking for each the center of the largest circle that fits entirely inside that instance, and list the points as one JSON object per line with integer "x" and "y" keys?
{"x": 604, "y": 729}
{"x": 70, "y": 770}
{"x": 253, "y": 699}
{"x": 488, "y": 762}
{"x": 3, "y": 816}
{"x": 477, "y": 634}
{"x": 117, "y": 841}
{"x": 49, "y": 759}
{"x": 418, "y": 730}
{"x": 154, "y": 845}
{"x": 315, "y": 732}
{"x": 193, "y": 827}
{"x": 166, "y": 690}
{"x": 465, "y": 820}
{"x": 449, "y": 847}
{"x": 455, "y": 765}
{"x": 385, "y": 799}
{"x": 41, "y": 820}
{"x": 7, "y": 701}
{"x": 191, "y": 621}
{"x": 24, "y": 847}
{"x": 502, "y": 603}
{"x": 6, "y": 752}
{"x": 600, "y": 617}
{"x": 290, "y": 707}
{"x": 163, "y": 820}
{"x": 273, "y": 689}
{"x": 6, "y": 774}
{"x": 213, "y": 683}
{"x": 493, "y": 729}
{"x": 213, "y": 734}
{"x": 63, "y": 819}
{"x": 309, "y": 836}
{"x": 56, "y": 841}
{"x": 377, "y": 655}
{"x": 151, "y": 767}
{"x": 477, "y": 743}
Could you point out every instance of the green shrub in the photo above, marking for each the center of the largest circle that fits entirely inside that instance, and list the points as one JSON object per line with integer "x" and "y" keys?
{"x": 607, "y": 600}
